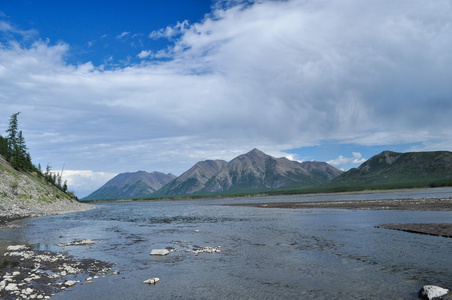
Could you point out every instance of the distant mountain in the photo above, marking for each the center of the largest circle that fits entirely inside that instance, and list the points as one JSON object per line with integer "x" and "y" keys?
{"x": 393, "y": 167}
{"x": 139, "y": 184}
{"x": 194, "y": 179}
{"x": 254, "y": 170}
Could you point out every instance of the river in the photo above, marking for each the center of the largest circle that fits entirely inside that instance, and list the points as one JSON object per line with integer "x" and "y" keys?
{"x": 265, "y": 253}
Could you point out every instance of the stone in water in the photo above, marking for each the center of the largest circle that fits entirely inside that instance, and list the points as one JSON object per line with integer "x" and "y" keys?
{"x": 432, "y": 291}
{"x": 160, "y": 252}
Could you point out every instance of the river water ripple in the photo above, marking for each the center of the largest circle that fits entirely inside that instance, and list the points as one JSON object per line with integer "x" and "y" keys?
{"x": 265, "y": 253}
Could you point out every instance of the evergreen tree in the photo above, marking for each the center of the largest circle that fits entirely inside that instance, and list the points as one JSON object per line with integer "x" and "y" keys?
{"x": 20, "y": 153}
{"x": 3, "y": 146}
{"x": 12, "y": 138}
{"x": 14, "y": 149}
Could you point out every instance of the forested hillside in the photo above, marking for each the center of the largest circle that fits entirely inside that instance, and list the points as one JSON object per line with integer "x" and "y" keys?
{"x": 15, "y": 151}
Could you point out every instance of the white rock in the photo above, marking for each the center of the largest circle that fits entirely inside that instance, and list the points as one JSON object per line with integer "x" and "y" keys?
{"x": 27, "y": 291}
{"x": 70, "y": 283}
{"x": 17, "y": 248}
{"x": 152, "y": 280}
{"x": 160, "y": 252}
{"x": 2, "y": 284}
{"x": 11, "y": 287}
{"x": 432, "y": 291}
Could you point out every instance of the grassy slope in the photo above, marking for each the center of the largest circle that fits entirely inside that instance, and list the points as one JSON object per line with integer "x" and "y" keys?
{"x": 26, "y": 194}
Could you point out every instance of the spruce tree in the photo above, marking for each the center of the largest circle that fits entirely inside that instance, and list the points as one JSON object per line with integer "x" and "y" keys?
{"x": 12, "y": 139}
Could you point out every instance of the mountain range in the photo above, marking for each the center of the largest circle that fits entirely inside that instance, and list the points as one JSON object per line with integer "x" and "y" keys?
{"x": 257, "y": 171}
{"x": 254, "y": 170}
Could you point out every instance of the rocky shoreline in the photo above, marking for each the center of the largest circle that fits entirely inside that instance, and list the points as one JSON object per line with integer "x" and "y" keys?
{"x": 28, "y": 274}
{"x": 15, "y": 211}
{"x": 32, "y": 274}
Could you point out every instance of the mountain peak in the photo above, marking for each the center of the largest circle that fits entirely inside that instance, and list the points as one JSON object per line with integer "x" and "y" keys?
{"x": 131, "y": 185}
{"x": 256, "y": 151}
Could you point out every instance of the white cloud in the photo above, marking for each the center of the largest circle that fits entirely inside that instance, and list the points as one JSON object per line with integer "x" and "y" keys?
{"x": 122, "y": 35}
{"x": 170, "y": 31}
{"x": 6, "y": 28}
{"x": 275, "y": 75}
{"x": 85, "y": 181}
{"x": 144, "y": 54}
{"x": 342, "y": 161}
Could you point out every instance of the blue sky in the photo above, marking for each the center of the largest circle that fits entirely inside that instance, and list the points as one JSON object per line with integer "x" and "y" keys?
{"x": 106, "y": 87}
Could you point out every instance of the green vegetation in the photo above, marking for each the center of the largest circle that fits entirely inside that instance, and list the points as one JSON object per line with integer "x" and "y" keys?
{"x": 14, "y": 150}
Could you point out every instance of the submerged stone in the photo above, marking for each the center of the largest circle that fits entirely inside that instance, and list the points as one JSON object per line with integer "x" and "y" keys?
{"x": 77, "y": 243}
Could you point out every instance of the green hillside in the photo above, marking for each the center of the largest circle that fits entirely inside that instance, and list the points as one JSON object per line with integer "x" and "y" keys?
{"x": 404, "y": 169}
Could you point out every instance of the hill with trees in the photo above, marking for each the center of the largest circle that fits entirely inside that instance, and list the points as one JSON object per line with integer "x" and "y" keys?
{"x": 25, "y": 190}
{"x": 15, "y": 151}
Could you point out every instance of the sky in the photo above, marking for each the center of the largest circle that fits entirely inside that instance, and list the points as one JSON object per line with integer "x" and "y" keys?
{"x": 106, "y": 87}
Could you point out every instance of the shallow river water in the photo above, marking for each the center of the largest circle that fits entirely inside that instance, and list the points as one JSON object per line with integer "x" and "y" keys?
{"x": 265, "y": 253}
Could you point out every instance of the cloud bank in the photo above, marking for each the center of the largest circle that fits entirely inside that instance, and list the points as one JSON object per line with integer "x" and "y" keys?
{"x": 276, "y": 75}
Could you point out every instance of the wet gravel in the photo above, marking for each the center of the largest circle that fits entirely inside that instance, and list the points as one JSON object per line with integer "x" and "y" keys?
{"x": 28, "y": 274}
{"x": 418, "y": 204}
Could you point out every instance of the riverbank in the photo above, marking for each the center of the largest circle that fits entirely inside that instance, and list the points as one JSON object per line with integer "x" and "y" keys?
{"x": 417, "y": 204}
{"x": 11, "y": 211}
{"x": 25, "y": 194}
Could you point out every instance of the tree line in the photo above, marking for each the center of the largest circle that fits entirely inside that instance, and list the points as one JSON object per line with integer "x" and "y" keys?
{"x": 15, "y": 151}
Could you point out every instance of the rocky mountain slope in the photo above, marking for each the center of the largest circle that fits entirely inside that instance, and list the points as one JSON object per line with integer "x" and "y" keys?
{"x": 194, "y": 179}
{"x": 24, "y": 194}
{"x": 392, "y": 167}
{"x": 139, "y": 184}
{"x": 254, "y": 170}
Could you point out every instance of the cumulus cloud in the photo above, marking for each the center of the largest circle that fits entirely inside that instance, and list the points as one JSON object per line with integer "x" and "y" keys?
{"x": 342, "y": 161}
{"x": 86, "y": 181}
{"x": 275, "y": 75}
